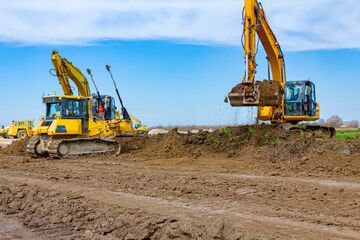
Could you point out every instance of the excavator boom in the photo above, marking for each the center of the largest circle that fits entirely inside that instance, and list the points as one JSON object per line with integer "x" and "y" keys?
{"x": 65, "y": 70}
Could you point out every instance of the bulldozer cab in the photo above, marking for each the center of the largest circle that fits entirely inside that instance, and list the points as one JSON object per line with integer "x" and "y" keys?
{"x": 67, "y": 108}
{"x": 64, "y": 107}
{"x": 300, "y": 99}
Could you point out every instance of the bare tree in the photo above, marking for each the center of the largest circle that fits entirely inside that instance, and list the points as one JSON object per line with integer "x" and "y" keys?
{"x": 334, "y": 121}
{"x": 321, "y": 122}
{"x": 353, "y": 124}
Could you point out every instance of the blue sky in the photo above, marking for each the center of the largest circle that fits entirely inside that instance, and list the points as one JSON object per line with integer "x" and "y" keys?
{"x": 174, "y": 61}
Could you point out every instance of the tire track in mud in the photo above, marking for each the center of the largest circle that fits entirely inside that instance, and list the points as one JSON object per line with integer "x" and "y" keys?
{"x": 247, "y": 216}
{"x": 10, "y": 228}
{"x": 189, "y": 209}
{"x": 328, "y": 183}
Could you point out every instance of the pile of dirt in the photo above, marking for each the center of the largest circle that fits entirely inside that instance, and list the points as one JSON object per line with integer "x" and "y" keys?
{"x": 353, "y": 145}
{"x": 75, "y": 217}
{"x": 168, "y": 145}
{"x": 16, "y": 148}
{"x": 273, "y": 142}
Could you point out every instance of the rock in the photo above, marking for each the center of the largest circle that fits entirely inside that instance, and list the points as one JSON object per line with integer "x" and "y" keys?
{"x": 55, "y": 219}
{"x": 14, "y": 206}
{"x": 119, "y": 223}
{"x": 231, "y": 153}
{"x": 88, "y": 234}
{"x": 67, "y": 219}
{"x": 188, "y": 230}
{"x": 346, "y": 150}
{"x": 130, "y": 236}
{"x": 20, "y": 195}
{"x": 221, "y": 229}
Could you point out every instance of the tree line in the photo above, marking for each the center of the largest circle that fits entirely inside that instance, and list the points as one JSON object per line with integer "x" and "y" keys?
{"x": 337, "y": 122}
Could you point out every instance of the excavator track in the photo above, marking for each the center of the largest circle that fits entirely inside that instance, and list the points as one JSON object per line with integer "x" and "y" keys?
{"x": 66, "y": 148}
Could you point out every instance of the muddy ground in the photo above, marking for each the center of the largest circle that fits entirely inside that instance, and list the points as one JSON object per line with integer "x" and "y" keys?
{"x": 248, "y": 182}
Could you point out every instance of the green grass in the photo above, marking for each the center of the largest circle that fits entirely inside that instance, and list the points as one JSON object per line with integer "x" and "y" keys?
{"x": 347, "y": 133}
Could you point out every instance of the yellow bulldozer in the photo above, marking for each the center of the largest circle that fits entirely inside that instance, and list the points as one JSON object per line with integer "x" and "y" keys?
{"x": 277, "y": 100}
{"x": 18, "y": 129}
{"x": 76, "y": 125}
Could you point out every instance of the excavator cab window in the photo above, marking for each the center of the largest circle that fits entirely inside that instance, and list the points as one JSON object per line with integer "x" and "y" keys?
{"x": 112, "y": 108}
{"x": 300, "y": 99}
{"x": 105, "y": 109}
{"x": 294, "y": 95}
{"x": 310, "y": 99}
{"x": 97, "y": 108}
{"x": 109, "y": 103}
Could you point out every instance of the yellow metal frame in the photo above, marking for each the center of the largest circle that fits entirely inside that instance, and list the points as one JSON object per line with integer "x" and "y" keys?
{"x": 13, "y": 130}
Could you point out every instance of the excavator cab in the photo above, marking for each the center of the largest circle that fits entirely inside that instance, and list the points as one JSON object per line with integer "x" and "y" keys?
{"x": 300, "y": 99}
{"x": 104, "y": 108}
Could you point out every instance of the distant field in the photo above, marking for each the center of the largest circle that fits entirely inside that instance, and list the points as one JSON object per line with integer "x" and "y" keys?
{"x": 347, "y": 133}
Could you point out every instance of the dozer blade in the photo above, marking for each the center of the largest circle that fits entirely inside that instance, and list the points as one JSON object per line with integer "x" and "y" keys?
{"x": 265, "y": 93}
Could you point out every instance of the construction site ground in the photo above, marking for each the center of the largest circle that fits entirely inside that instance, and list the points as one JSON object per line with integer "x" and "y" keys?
{"x": 246, "y": 182}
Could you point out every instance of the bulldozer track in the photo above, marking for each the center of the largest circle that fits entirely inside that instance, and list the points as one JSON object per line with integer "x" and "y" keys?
{"x": 82, "y": 146}
{"x": 76, "y": 147}
{"x": 53, "y": 148}
{"x": 30, "y": 147}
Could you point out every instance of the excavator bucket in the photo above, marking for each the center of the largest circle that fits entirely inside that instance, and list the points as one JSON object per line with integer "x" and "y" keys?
{"x": 261, "y": 93}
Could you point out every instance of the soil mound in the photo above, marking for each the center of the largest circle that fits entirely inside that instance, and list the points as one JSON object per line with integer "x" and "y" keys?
{"x": 16, "y": 148}
{"x": 272, "y": 142}
{"x": 168, "y": 145}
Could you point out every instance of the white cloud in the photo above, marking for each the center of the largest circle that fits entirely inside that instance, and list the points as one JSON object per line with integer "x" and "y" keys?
{"x": 299, "y": 25}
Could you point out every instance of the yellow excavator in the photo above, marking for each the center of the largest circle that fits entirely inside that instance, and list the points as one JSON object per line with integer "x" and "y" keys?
{"x": 278, "y": 100}
{"x": 75, "y": 125}
{"x": 139, "y": 128}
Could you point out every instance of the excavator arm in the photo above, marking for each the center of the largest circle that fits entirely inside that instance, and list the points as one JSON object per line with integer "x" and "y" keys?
{"x": 134, "y": 119}
{"x": 271, "y": 46}
{"x": 65, "y": 70}
{"x": 249, "y": 93}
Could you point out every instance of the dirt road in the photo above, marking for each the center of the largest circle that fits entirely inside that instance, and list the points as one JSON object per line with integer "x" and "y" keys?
{"x": 131, "y": 197}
